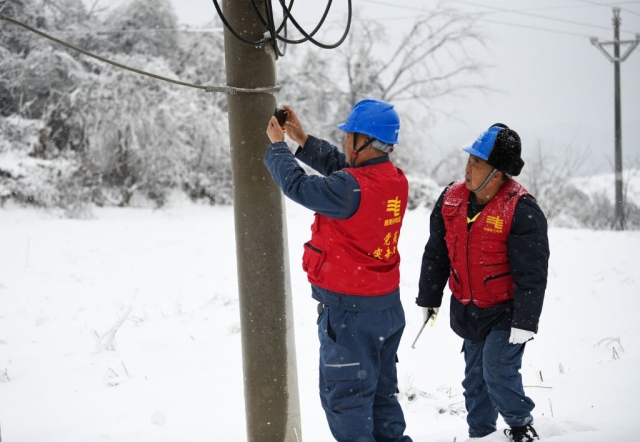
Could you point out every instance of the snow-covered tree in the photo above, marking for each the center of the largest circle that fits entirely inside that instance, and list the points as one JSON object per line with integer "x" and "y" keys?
{"x": 143, "y": 27}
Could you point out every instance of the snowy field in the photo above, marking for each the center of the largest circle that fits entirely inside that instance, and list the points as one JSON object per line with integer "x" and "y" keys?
{"x": 164, "y": 282}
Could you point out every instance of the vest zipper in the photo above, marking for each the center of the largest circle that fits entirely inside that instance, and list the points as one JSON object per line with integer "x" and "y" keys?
{"x": 489, "y": 278}
{"x": 455, "y": 274}
{"x": 312, "y": 247}
{"x": 468, "y": 269}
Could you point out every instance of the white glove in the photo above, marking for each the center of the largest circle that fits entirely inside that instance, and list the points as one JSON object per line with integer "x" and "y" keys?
{"x": 519, "y": 336}
{"x": 425, "y": 312}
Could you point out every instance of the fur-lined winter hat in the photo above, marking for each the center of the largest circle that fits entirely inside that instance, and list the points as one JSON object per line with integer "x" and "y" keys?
{"x": 500, "y": 147}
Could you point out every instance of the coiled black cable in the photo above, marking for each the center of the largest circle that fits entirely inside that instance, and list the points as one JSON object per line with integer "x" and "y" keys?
{"x": 268, "y": 21}
{"x": 309, "y": 36}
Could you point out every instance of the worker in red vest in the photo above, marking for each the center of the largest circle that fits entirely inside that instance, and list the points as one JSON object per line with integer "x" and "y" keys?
{"x": 488, "y": 238}
{"x": 352, "y": 262}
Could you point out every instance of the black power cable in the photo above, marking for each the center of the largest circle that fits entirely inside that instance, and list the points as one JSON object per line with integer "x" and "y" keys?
{"x": 258, "y": 43}
{"x": 287, "y": 13}
{"x": 309, "y": 36}
{"x": 272, "y": 28}
{"x": 268, "y": 21}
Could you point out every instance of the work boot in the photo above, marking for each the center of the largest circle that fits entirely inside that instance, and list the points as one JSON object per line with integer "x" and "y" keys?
{"x": 525, "y": 433}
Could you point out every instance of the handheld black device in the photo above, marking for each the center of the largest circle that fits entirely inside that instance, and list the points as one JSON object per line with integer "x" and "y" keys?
{"x": 281, "y": 116}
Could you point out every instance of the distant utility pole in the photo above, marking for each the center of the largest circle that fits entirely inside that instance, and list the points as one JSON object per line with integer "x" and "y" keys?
{"x": 619, "y": 220}
{"x": 266, "y": 314}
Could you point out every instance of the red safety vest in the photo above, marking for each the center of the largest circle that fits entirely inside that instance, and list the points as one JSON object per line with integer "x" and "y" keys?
{"x": 359, "y": 255}
{"x": 480, "y": 270}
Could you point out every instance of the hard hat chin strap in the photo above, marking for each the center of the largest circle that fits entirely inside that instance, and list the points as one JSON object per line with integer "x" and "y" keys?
{"x": 354, "y": 154}
{"x": 486, "y": 181}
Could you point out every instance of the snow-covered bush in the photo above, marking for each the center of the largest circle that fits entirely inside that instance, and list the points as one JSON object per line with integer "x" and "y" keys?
{"x": 103, "y": 134}
{"x": 423, "y": 192}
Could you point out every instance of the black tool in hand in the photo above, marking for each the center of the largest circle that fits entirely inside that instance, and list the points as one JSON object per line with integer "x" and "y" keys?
{"x": 281, "y": 116}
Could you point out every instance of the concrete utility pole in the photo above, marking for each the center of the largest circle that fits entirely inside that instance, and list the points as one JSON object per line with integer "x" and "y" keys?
{"x": 619, "y": 220}
{"x": 266, "y": 314}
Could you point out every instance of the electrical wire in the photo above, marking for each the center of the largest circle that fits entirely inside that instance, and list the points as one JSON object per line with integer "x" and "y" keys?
{"x": 258, "y": 43}
{"x": 395, "y": 5}
{"x": 413, "y": 8}
{"x": 138, "y": 31}
{"x": 309, "y": 36}
{"x": 616, "y": 3}
{"x": 529, "y": 14}
{"x": 264, "y": 20}
{"x": 268, "y": 21}
{"x": 482, "y": 16}
{"x": 609, "y": 5}
{"x": 517, "y": 25}
{"x": 286, "y": 12}
{"x": 224, "y": 89}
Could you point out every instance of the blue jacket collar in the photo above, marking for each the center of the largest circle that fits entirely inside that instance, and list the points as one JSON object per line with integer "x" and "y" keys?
{"x": 378, "y": 160}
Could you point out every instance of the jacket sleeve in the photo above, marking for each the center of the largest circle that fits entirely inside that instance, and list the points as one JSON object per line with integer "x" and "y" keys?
{"x": 321, "y": 156}
{"x": 335, "y": 196}
{"x": 528, "y": 249}
{"x": 435, "y": 261}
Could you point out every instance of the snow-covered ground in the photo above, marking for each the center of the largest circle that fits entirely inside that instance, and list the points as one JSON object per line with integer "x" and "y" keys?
{"x": 125, "y": 327}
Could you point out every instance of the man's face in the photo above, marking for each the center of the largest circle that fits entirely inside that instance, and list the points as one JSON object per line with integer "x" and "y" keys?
{"x": 476, "y": 172}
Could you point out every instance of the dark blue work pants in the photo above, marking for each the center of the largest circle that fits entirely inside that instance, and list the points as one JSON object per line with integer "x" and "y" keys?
{"x": 493, "y": 384}
{"x": 358, "y": 378}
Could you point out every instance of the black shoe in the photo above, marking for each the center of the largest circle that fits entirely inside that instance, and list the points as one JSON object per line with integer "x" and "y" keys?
{"x": 525, "y": 433}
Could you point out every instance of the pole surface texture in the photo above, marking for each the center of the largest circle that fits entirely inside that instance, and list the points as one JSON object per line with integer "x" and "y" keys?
{"x": 619, "y": 207}
{"x": 266, "y": 314}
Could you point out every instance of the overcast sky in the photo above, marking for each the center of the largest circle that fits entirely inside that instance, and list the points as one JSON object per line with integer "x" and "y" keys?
{"x": 556, "y": 88}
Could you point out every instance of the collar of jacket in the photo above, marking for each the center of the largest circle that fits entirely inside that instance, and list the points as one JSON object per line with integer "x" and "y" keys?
{"x": 378, "y": 160}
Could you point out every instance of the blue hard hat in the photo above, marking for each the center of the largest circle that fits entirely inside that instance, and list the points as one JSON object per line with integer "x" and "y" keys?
{"x": 375, "y": 118}
{"x": 501, "y": 148}
{"x": 484, "y": 144}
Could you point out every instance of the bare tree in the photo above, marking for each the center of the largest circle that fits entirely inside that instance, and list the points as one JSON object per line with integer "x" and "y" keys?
{"x": 567, "y": 198}
{"x": 430, "y": 61}
{"x": 449, "y": 168}
{"x": 548, "y": 177}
